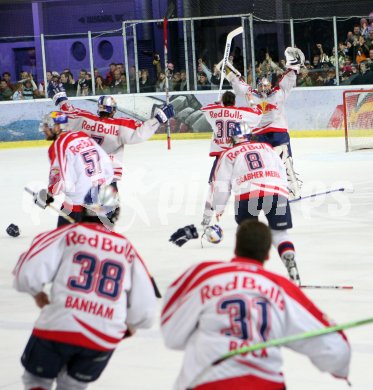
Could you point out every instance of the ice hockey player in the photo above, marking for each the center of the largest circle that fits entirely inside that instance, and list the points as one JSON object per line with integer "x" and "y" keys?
{"x": 112, "y": 134}
{"x": 77, "y": 166}
{"x": 101, "y": 292}
{"x": 223, "y": 117}
{"x": 273, "y": 127}
{"x": 216, "y": 307}
{"x": 257, "y": 176}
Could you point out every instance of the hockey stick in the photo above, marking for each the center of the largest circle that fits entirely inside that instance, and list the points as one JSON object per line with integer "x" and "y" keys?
{"x": 227, "y": 50}
{"x": 331, "y": 287}
{"x": 170, "y": 10}
{"x": 60, "y": 212}
{"x": 319, "y": 194}
{"x": 279, "y": 342}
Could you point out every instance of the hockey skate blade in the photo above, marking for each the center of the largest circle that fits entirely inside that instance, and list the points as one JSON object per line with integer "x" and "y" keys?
{"x": 330, "y": 287}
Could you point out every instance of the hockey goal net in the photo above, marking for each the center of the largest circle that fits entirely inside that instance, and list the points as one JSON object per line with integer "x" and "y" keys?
{"x": 358, "y": 119}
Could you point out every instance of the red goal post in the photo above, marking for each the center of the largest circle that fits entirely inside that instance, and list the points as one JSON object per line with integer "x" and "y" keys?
{"x": 358, "y": 119}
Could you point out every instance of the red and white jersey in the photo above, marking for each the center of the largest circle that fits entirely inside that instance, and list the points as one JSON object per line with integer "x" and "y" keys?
{"x": 223, "y": 120}
{"x": 100, "y": 285}
{"x": 77, "y": 164}
{"x": 216, "y": 307}
{"x": 250, "y": 170}
{"x": 272, "y": 105}
{"x": 110, "y": 133}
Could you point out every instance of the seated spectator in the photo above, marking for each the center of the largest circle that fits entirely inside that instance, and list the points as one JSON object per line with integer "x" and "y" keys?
{"x": 337, "y": 62}
{"x": 349, "y": 75}
{"x": 364, "y": 32}
{"x": 202, "y": 83}
{"x": 160, "y": 85}
{"x": 29, "y": 88}
{"x": 18, "y": 92}
{"x": 41, "y": 86}
{"x": 370, "y": 59}
{"x": 183, "y": 81}
{"x": 176, "y": 80}
{"x": 146, "y": 85}
{"x": 101, "y": 87}
{"x": 5, "y": 91}
{"x": 316, "y": 62}
{"x": 330, "y": 78}
{"x": 82, "y": 85}
{"x": 117, "y": 85}
{"x": 361, "y": 50}
{"x": 123, "y": 79}
{"x": 320, "y": 52}
{"x": 110, "y": 75}
{"x": 369, "y": 40}
{"x": 304, "y": 79}
{"x": 7, "y": 78}
{"x": 68, "y": 84}
{"x": 365, "y": 75}
{"x": 348, "y": 65}
{"x": 132, "y": 79}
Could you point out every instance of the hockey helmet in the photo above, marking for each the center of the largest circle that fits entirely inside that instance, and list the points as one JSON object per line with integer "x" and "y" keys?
{"x": 106, "y": 104}
{"x": 102, "y": 202}
{"x": 241, "y": 132}
{"x": 52, "y": 119}
{"x": 264, "y": 85}
{"x": 213, "y": 234}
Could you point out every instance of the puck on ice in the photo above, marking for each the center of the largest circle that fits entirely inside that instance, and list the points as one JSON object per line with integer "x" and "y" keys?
{"x": 13, "y": 230}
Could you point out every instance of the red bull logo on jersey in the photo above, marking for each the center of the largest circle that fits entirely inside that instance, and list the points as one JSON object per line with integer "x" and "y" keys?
{"x": 228, "y": 114}
{"x": 82, "y": 144}
{"x": 267, "y": 107}
{"x": 244, "y": 148}
{"x": 97, "y": 127}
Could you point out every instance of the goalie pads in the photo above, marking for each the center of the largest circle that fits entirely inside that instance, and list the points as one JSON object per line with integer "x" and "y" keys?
{"x": 294, "y": 58}
{"x": 182, "y": 235}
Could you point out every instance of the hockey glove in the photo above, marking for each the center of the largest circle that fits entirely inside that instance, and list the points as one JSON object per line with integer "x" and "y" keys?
{"x": 294, "y": 58}
{"x": 182, "y": 235}
{"x": 59, "y": 97}
{"x": 164, "y": 113}
{"x": 43, "y": 198}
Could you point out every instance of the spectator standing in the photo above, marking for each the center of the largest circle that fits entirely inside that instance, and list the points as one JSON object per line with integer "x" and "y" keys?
{"x": 5, "y": 91}
{"x": 215, "y": 307}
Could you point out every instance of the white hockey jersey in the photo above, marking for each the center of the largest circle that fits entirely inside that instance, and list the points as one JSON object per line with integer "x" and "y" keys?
{"x": 216, "y": 307}
{"x": 223, "y": 119}
{"x": 110, "y": 133}
{"x": 272, "y": 105}
{"x": 250, "y": 170}
{"x": 77, "y": 164}
{"x": 100, "y": 285}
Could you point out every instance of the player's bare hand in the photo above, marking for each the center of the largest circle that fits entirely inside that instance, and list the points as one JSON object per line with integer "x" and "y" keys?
{"x": 41, "y": 299}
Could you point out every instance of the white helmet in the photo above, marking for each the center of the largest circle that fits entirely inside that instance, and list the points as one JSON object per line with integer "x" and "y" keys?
{"x": 241, "y": 132}
{"x": 106, "y": 104}
{"x": 213, "y": 234}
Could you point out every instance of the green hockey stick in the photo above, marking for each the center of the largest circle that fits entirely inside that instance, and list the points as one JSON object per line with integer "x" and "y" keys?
{"x": 279, "y": 342}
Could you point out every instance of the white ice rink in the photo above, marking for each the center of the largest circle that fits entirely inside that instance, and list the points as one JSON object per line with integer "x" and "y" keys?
{"x": 164, "y": 190}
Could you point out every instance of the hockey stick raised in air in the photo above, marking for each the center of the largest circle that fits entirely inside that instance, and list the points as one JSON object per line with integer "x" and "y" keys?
{"x": 320, "y": 193}
{"x": 58, "y": 211}
{"x": 279, "y": 342}
{"x": 330, "y": 287}
{"x": 227, "y": 50}
{"x": 170, "y": 10}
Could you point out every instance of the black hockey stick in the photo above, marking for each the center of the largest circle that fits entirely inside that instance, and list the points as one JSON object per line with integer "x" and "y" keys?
{"x": 320, "y": 194}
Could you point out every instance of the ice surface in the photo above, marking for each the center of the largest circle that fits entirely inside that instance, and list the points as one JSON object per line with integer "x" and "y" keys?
{"x": 164, "y": 190}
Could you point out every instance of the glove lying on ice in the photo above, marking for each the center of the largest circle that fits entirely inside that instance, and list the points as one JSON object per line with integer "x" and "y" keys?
{"x": 182, "y": 235}
{"x": 43, "y": 198}
{"x": 294, "y": 58}
{"x": 164, "y": 113}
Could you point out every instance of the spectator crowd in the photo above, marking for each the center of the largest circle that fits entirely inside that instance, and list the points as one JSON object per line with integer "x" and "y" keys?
{"x": 354, "y": 60}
